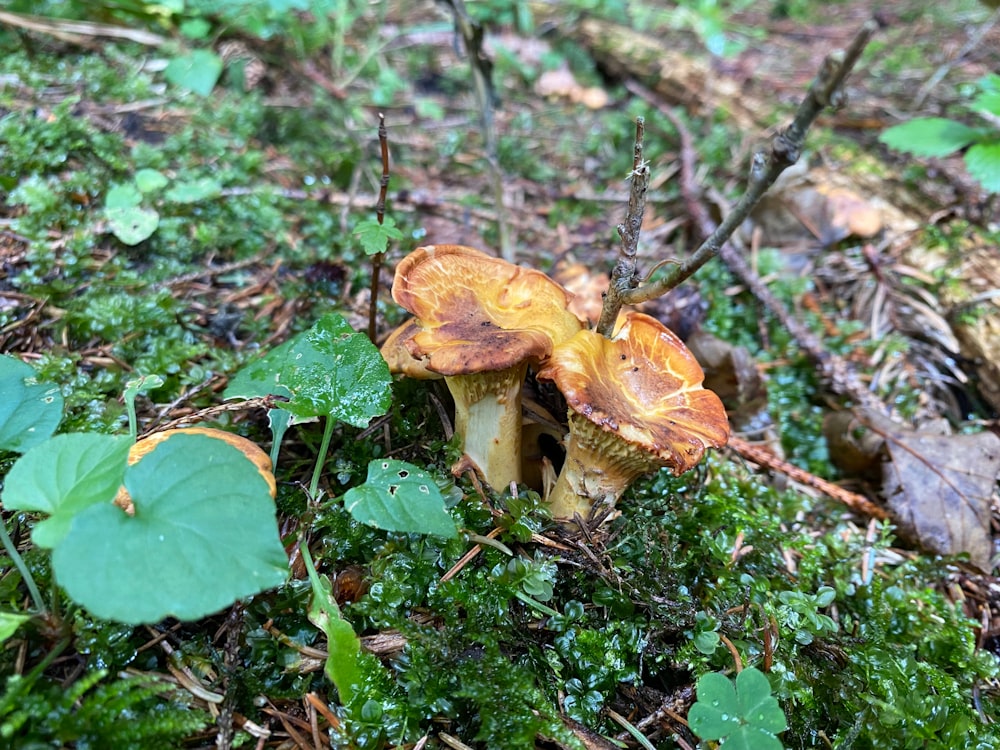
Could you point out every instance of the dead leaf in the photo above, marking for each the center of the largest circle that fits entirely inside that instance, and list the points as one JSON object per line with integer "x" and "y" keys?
{"x": 731, "y": 372}
{"x": 939, "y": 487}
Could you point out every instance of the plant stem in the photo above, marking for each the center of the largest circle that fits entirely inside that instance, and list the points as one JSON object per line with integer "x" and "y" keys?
{"x": 383, "y": 141}
{"x": 324, "y": 447}
{"x": 22, "y": 568}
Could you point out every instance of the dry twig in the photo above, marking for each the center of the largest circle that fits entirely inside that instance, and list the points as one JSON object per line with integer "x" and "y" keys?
{"x": 785, "y": 150}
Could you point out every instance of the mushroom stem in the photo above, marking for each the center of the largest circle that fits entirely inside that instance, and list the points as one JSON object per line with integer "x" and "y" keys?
{"x": 599, "y": 467}
{"x": 488, "y": 417}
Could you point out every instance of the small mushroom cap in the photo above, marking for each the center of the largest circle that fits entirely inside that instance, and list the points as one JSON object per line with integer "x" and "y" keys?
{"x": 396, "y": 353}
{"x": 644, "y": 386}
{"x": 478, "y": 313}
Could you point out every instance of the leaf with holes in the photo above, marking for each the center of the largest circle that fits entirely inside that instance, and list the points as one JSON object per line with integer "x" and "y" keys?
{"x": 29, "y": 411}
{"x": 398, "y": 496}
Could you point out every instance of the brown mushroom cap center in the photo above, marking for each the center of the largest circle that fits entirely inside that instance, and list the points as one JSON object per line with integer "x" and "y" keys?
{"x": 478, "y": 313}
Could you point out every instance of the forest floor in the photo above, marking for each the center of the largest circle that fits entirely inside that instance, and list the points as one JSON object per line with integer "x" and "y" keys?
{"x": 811, "y": 549}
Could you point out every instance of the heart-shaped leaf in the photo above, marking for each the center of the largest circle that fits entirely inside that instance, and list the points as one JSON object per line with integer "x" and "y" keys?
{"x": 197, "y": 72}
{"x": 715, "y": 714}
{"x": 150, "y": 180}
{"x": 132, "y": 225}
{"x": 398, "y": 496}
{"x": 203, "y": 535}
{"x": 329, "y": 370}
{"x": 64, "y": 476}
{"x": 29, "y": 411}
{"x": 757, "y": 705}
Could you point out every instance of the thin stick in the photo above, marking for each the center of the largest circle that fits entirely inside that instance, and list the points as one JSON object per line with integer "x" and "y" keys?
{"x": 623, "y": 277}
{"x": 785, "y": 150}
{"x": 482, "y": 71}
{"x": 383, "y": 140}
{"x": 763, "y": 457}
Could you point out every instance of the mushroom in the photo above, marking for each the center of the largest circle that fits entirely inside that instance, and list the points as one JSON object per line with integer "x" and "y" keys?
{"x": 397, "y": 355}
{"x": 482, "y": 320}
{"x": 636, "y": 403}
{"x": 247, "y": 447}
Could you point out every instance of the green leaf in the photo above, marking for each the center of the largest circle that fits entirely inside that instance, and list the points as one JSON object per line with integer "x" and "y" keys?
{"x": 197, "y": 72}
{"x": 398, "y": 496}
{"x": 929, "y": 136}
{"x": 150, "y": 180}
{"x": 983, "y": 163}
{"x": 193, "y": 191}
{"x": 123, "y": 196}
{"x": 750, "y": 738}
{"x": 9, "y": 623}
{"x": 706, "y": 642}
{"x": 63, "y": 477}
{"x": 987, "y": 101}
{"x": 29, "y": 411}
{"x": 132, "y": 225}
{"x": 329, "y": 370}
{"x": 374, "y": 237}
{"x": 757, "y": 706}
{"x": 343, "y": 666}
{"x": 714, "y": 715}
{"x": 204, "y": 535}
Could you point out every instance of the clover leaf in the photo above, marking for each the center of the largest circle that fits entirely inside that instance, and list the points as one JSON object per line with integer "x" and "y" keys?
{"x": 744, "y": 716}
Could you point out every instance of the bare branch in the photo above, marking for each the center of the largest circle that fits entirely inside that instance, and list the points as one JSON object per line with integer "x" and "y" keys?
{"x": 383, "y": 140}
{"x": 765, "y": 167}
{"x": 623, "y": 275}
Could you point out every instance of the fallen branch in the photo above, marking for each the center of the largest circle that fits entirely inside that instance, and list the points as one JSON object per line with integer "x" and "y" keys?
{"x": 785, "y": 150}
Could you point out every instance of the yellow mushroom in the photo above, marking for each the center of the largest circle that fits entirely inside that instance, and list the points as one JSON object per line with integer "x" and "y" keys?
{"x": 636, "y": 403}
{"x": 481, "y": 322}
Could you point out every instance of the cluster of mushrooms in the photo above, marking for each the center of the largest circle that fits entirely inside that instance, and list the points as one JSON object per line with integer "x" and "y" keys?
{"x": 635, "y": 400}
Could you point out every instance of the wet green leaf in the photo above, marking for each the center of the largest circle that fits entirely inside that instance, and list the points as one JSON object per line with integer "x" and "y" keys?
{"x": 29, "y": 411}
{"x": 204, "y": 534}
{"x": 63, "y": 477}
{"x": 398, "y": 496}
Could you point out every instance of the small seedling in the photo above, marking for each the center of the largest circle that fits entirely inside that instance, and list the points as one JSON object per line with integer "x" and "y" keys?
{"x": 131, "y": 221}
{"x": 744, "y": 716}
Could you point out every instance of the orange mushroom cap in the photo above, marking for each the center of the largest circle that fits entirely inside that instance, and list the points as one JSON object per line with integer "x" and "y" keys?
{"x": 644, "y": 386}
{"x": 396, "y": 352}
{"x": 478, "y": 313}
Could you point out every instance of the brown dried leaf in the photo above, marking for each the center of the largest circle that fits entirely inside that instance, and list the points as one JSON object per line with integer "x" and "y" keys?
{"x": 731, "y": 372}
{"x": 938, "y": 488}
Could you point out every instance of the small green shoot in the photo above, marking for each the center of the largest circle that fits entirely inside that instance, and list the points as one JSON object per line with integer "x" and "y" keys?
{"x": 398, "y": 496}
{"x": 374, "y": 236}
{"x": 131, "y": 221}
{"x": 343, "y": 667}
{"x": 744, "y": 716}
{"x": 29, "y": 411}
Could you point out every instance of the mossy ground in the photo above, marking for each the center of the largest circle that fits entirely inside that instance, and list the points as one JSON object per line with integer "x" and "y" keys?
{"x": 512, "y": 651}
